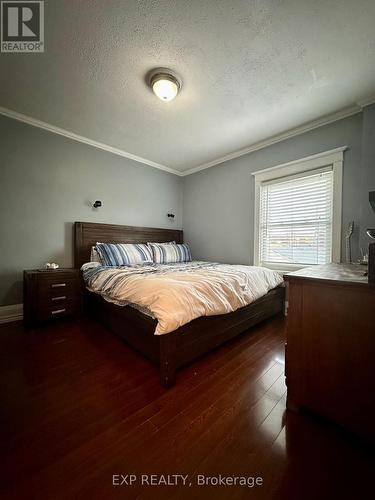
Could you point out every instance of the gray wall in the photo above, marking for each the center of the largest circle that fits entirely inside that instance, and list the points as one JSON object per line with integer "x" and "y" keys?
{"x": 368, "y": 172}
{"x": 218, "y": 203}
{"x": 47, "y": 182}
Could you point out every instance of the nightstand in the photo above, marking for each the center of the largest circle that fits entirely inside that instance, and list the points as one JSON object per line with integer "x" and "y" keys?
{"x": 51, "y": 294}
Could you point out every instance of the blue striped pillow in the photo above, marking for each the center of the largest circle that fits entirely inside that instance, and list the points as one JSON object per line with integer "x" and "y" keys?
{"x": 164, "y": 253}
{"x": 124, "y": 254}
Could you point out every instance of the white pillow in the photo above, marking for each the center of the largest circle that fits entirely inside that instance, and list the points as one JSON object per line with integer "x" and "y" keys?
{"x": 94, "y": 255}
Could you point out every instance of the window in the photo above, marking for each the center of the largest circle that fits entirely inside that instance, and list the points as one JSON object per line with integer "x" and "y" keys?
{"x": 296, "y": 220}
{"x": 298, "y": 212}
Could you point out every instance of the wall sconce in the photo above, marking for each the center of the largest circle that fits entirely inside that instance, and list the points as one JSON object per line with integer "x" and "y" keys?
{"x": 97, "y": 204}
{"x": 170, "y": 216}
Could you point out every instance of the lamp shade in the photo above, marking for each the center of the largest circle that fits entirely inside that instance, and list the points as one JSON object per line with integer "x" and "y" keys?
{"x": 164, "y": 84}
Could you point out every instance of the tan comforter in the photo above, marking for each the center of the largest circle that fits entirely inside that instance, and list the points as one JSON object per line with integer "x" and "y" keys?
{"x": 176, "y": 294}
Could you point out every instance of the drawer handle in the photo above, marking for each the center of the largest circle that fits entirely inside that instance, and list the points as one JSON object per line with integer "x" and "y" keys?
{"x": 58, "y": 285}
{"x": 62, "y": 297}
{"x": 58, "y": 311}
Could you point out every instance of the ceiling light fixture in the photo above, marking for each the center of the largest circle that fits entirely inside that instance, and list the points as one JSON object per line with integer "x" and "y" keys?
{"x": 164, "y": 83}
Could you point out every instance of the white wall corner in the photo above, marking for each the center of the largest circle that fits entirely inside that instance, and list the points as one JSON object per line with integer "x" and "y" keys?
{"x": 11, "y": 313}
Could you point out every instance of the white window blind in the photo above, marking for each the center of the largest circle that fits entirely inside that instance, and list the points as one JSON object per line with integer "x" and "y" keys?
{"x": 296, "y": 213}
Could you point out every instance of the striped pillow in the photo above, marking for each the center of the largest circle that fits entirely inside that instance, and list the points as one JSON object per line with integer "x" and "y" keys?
{"x": 124, "y": 254}
{"x": 167, "y": 254}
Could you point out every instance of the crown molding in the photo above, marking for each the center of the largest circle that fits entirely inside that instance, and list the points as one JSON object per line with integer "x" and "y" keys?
{"x": 85, "y": 140}
{"x": 366, "y": 102}
{"x": 331, "y": 155}
{"x": 325, "y": 120}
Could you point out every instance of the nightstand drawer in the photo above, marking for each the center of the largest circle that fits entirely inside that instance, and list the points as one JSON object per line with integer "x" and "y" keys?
{"x": 52, "y": 298}
{"x": 58, "y": 310}
{"x": 57, "y": 286}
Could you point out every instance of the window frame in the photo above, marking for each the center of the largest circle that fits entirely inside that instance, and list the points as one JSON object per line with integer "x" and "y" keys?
{"x": 333, "y": 158}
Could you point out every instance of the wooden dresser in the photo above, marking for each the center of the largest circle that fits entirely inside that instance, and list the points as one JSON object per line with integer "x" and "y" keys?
{"x": 52, "y": 294}
{"x": 330, "y": 348}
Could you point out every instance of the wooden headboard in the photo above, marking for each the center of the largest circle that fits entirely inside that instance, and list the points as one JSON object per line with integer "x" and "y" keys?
{"x": 87, "y": 234}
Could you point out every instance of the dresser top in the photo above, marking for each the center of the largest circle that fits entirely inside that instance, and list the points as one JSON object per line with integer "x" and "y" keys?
{"x": 339, "y": 273}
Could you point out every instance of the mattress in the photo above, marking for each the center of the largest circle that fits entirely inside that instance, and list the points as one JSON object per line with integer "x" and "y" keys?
{"x": 175, "y": 294}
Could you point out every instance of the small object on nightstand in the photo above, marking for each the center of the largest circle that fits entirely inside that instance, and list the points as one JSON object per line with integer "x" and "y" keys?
{"x": 51, "y": 294}
{"x": 51, "y": 265}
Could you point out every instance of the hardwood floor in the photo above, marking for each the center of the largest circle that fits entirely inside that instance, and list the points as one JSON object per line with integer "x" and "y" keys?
{"x": 78, "y": 406}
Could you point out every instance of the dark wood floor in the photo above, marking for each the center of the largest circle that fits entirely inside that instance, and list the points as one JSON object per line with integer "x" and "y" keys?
{"x": 78, "y": 405}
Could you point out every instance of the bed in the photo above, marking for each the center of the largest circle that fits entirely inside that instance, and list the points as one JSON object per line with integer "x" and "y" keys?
{"x": 177, "y": 348}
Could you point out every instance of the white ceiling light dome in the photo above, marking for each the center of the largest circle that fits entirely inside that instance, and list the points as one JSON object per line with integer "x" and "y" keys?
{"x": 164, "y": 83}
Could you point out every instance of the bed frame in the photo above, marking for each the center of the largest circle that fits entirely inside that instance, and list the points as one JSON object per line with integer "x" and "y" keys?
{"x": 172, "y": 350}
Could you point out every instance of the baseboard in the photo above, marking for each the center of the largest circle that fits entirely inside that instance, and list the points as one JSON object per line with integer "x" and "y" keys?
{"x": 11, "y": 313}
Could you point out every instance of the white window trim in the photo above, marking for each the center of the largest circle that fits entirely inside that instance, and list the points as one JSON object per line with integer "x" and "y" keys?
{"x": 334, "y": 157}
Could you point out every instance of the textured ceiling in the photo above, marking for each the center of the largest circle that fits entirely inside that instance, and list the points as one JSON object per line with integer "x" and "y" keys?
{"x": 250, "y": 70}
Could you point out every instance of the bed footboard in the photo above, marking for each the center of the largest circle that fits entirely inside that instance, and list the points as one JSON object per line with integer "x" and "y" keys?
{"x": 173, "y": 350}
